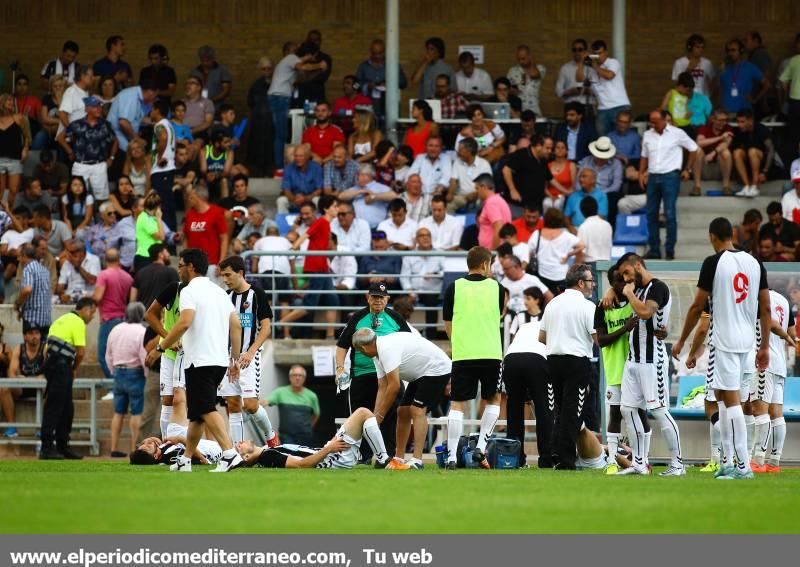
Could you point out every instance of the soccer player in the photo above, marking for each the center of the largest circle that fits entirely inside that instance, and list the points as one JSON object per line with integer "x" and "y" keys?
{"x": 413, "y": 359}
{"x": 255, "y": 315}
{"x": 735, "y": 284}
{"x": 645, "y": 382}
{"x": 472, "y": 309}
{"x": 341, "y": 452}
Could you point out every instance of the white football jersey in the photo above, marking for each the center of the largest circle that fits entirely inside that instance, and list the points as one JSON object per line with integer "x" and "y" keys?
{"x": 781, "y": 314}
{"x": 211, "y": 450}
{"x": 733, "y": 280}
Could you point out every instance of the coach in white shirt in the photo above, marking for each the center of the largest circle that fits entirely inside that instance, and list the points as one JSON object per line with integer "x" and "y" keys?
{"x": 400, "y": 230}
{"x": 595, "y": 232}
{"x": 567, "y": 328}
{"x": 660, "y": 175}
{"x": 352, "y": 232}
{"x": 207, "y": 322}
{"x": 446, "y": 230}
{"x": 433, "y": 167}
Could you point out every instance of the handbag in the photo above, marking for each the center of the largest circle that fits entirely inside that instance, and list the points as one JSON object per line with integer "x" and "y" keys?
{"x": 533, "y": 261}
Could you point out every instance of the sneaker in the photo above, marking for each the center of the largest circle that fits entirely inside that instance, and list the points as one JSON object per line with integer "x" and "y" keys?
{"x": 11, "y": 433}
{"x": 181, "y": 465}
{"x": 108, "y": 397}
{"x": 724, "y": 470}
{"x": 51, "y": 455}
{"x": 397, "y": 465}
{"x": 754, "y": 192}
{"x": 479, "y": 457}
{"x": 772, "y": 469}
{"x": 417, "y": 466}
{"x": 450, "y": 466}
{"x": 672, "y": 470}
{"x": 745, "y": 192}
{"x": 227, "y": 464}
{"x": 738, "y": 474}
{"x": 756, "y": 468}
{"x": 274, "y": 442}
{"x": 71, "y": 455}
{"x": 711, "y": 466}
{"x": 118, "y": 455}
{"x": 611, "y": 469}
{"x": 634, "y": 470}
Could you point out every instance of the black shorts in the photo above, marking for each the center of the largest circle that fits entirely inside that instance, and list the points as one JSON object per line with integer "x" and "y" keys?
{"x": 467, "y": 374}
{"x": 201, "y": 390}
{"x": 425, "y": 392}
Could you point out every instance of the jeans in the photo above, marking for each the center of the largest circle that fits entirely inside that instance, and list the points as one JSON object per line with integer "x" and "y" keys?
{"x": 41, "y": 140}
{"x": 102, "y": 341}
{"x": 162, "y": 183}
{"x": 280, "y": 118}
{"x": 663, "y": 186}
{"x": 607, "y": 119}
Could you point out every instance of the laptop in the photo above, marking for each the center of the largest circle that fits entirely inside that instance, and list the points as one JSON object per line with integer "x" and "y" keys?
{"x": 496, "y": 110}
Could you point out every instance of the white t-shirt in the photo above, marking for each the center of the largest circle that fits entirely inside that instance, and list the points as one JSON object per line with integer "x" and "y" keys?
{"x": 284, "y": 76}
{"x": 273, "y": 244}
{"x": 205, "y": 343}
{"x": 169, "y": 151}
{"x": 72, "y": 104}
{"x": 465, "y": 174}
{"x": 790, "y": 203}
{"x": 15, "y": 239}
{"x": 414, "y": 355}
{"x": 610, "y": 94}
{"x": 403, "y": 234}
{"x": 516, "y": 298}
{"x": 527, "y": 340}
{"x": 596, "y": 233}
{"x": 703, "y": 74}
{"x": 480, "y": 83}
{"x": 782, "y": 314}
{"x": 551, "y": 252}
{"x": 569, "y": 324}
{"x": 445, "y": 235}
{"x": 75, "y": 286}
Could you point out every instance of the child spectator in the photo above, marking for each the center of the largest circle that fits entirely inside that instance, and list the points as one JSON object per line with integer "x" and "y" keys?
{"x": 77, "y": 206}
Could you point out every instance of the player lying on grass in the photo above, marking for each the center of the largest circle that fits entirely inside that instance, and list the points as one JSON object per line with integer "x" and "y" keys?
{"x": 341, "y": 452}
{"x": 593, "y": 455}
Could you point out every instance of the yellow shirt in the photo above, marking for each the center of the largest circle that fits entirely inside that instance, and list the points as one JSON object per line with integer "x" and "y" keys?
{"x": 70, "y": 328}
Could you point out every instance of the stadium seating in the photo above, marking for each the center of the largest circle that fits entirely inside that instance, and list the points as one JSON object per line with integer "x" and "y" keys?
{"x": 685, "y": 385}
{"x": 631, "y": 230}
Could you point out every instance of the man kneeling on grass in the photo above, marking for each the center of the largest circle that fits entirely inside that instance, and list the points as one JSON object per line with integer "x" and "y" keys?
{"x": 341, "y": 452}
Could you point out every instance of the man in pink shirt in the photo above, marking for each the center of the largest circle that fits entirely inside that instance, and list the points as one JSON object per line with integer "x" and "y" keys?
{"x": 112, "y": 292}
{"x": 494, "y": 215}
{"x": 125, "y": 355}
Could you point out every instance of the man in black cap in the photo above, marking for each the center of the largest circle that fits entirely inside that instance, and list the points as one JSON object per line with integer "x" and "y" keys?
{"x": 358, "y": 385}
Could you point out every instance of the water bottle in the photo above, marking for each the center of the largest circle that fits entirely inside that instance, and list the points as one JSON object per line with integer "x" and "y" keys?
{"x": 306, "y": 107}
{"x": 441, "y": 456}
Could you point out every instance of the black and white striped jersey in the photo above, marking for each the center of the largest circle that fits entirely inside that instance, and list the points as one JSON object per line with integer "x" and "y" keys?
{"x": 276, "y": 457}
{"x": 252, "y": 305}
{"x": 644, "y": 345}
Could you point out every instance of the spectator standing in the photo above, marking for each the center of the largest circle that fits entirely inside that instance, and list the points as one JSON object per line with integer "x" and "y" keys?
{"x": 298, "y": 408}
{"x": 446, "y": 230}
{"x": 199, "y": 112}
{"x": 351, "y": 232}
{"x": 466, "y": 167}
{"x": 126, "y": 356}
{"x": 790, "y": 82}
{"x": 565, "y": 173}
{"x": 302, "y": 181}
{"x": 567, "y": 329}
{"x": 738, "y": 80}
{"x": 753, "y": 152}
{"x": 595, "y": 232}
{"x": 339, "y": 173}
{"x": 345, "y": 107}
{"x": 33, "y": 304}
{"x": 66, "y": 345}
{"x": 371, "y": 76}
{"x": 215, "y": 77}
{"x": 113, "y": 65}
{"x": 159, "y": 73}
{"x": 277, "y": 267}
{"x": 608, "y": 84}
{"x": 127, "y": 112}
{"x": 660, "y": 172}
{"x": 149, "y": 229}
{"x": 153, "y": 278}
{"x": 65, "y": 65}
{"x": 71, "y": 107}
{"x": 756, "y": 52}
{"x": 433, "y": 167}
{"x": 78, "y": 274}
{"x": 312, "y": 88}
{"x": 51, "y": 174}
{"x": 494, "y": 215}
{"x": 714, "y": 147}
{"x": 48, "y": 114}
{"x": 323, "y": 136}
{"x": 370, "y": 199}
{"x": 206, "y": 229}
{"x": 431, "y": 66}
{"x": 551, "y": 248}
{"x": 15, "y": 140}
{"x": 473, "y": 82}
{"x": 362, "y": 144}
{"x": 111, "y": 293}
{"x": 526, "y": 174}
{"x": 259, "y": 143}
{"x": 700, "y": 68}
{"x": 568, "y": 87}
{"x": 27, "y": 104}
{"x": 416, "y": 136}
{"x": 526, "y": 79}
{"x": 17, "y": 235}
{"x": 162, "y": 168}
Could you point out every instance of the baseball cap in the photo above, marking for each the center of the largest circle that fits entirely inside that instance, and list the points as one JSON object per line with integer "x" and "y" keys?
{"x": 92, "y": 101}
{"x": 796, "y": 170}
{"x": 378, "y": 288}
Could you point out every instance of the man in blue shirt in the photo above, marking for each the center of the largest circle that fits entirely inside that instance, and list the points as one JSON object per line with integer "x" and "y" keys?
{"x": 302, "y": 181}
{"x": 588, "y": 188}
{"x": 380, "y": 264}
{"x": 738, "y": 81}
{"x": 127, "y": 111}
{"x": 371, "y": 76}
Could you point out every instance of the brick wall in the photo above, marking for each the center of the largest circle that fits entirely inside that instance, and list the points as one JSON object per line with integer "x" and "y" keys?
{"x": 242, "y": 31}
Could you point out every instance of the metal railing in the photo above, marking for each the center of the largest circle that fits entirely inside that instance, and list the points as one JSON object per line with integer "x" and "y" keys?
{"x": 39, "y": 384}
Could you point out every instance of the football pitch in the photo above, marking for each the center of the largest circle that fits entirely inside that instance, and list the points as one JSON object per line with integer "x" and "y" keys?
{"x": 114, "y": 497}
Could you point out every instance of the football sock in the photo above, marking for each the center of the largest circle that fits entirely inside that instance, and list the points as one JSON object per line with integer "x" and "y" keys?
{"x": 455, "y": 426}
{"x": 372, "y": 433}
{"x": 250, "y": 430}
{"x": 236, "y": 423}
{"x": 714, "y": 435}
{"x": 263, "y": 424}
{"x": 762, "y": 430}
{"x": 750, "y": 426}
{"x": 613, "y": 446}
{"x": 739, "y": 434}
{"x": 166, "y": 416}
{"x": 726, "y": 436}
{"x": 648, "y": 435}
{"x": 672, "y": 437}
{"x": 778, "y": 438}
{"x": 488, "y": 419}
{"x": 636, "y": 435}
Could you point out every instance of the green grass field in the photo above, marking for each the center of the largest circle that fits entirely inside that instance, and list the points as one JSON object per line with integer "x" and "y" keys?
{"x": 104, "y": 497}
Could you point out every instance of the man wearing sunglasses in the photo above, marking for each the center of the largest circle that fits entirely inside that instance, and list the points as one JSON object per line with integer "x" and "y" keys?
{"x": 568, "y": 87}
{"x": 358, "y": 385}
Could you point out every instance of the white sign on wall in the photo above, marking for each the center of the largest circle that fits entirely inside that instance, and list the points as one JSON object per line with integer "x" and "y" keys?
{"x": 476, "y": 50}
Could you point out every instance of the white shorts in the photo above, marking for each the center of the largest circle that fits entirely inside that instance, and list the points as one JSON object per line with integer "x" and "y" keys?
{"x": 595, "y": 463}
{"x": 346, "y": 459}
{"x": 727, "y": 369}
{"x": 614, "y": 394}
{"x": 249, "y": 383}
{"x": 172, "y": 374}
{"x": 744, "y": 390}
{"x": 767, "y": 387}
{"x": 96, "y": 176}
{"x": 644, "y": 386}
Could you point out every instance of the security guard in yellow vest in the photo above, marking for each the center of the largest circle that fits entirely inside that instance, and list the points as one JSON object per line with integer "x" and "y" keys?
{"x": 64, "y": 352}
{"x": 472, "y": 309}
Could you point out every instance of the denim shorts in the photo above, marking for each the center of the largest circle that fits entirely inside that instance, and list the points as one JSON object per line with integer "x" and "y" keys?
{"x": 128, "y": 390}
{"x": 10, "y": 166}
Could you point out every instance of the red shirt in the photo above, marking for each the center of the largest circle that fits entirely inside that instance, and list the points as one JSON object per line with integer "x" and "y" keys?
{"x": 523, "y": 234}
{"x": 203, "y": 230}
{"x": 708, "y": 132}
{"x": 29, "y": 106}
{"x": 322, "y": 140}
{"x": 343, "y": 106}
{"x": 319, "y": 236}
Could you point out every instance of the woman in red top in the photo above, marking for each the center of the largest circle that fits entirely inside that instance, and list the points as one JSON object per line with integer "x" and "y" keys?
{"x": 564, "y": 174}
{"x": 318, "y": 236}
{"x": 417, "y": 136}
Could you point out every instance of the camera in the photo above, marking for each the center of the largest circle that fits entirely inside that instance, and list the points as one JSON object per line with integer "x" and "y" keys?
{"x": 589, "y": 59}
